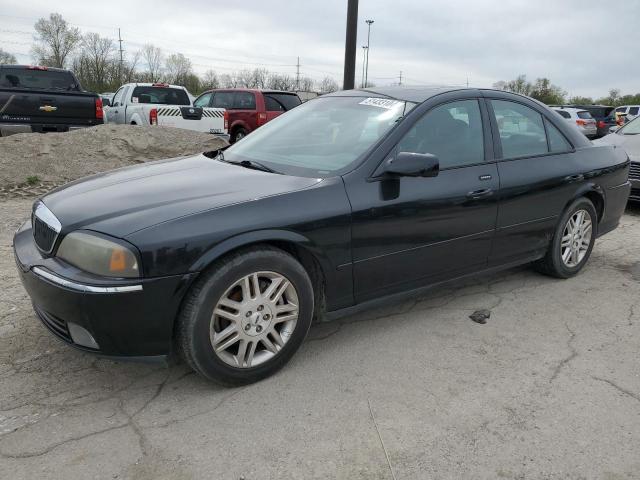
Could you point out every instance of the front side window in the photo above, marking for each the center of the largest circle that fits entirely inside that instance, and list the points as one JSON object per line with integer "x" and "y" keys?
{"x": 521, "y": 129}
{"x": 244, "y": 101}
{"x": 203, "y": 100}
{"x": 117, "y": 98}
{"x": 452, "y": 132}
{"x": 323, "y": 137}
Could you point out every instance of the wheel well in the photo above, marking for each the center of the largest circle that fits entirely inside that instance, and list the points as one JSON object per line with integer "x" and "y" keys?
{"x": 133, "y": 123}
{"x": 598, "y": 203}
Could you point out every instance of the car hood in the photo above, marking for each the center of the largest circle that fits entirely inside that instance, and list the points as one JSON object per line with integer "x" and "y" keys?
{"x": 631, "y": 144}
{"x": 123, "y": 201}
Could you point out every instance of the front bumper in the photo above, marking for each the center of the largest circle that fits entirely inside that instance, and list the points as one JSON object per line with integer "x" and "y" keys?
{"x": 123, "y": 318}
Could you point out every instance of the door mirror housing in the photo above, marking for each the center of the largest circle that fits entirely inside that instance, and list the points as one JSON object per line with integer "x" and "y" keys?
{"x": 409, "y": 164}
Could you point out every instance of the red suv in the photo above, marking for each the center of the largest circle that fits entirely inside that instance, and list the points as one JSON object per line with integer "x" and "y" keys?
{"x": 248, "y": 109}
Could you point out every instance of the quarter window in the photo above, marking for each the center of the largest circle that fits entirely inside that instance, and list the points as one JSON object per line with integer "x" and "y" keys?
{"x": 452, "y": 132}
{"x": 557, "y": 142}
{"x": 521, "y": 129}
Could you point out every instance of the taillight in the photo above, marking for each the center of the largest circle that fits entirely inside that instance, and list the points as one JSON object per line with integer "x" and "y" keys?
{"x": 226, "y": 120}
{"x": 601, "y": 124}
{"x": 153, "y": 116}
{"x": 581, "y": 123}
{"x": 99, "y": 111}
{"x": 262, "y": 118}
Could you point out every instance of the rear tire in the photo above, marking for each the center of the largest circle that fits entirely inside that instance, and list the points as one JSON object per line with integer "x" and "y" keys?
{"x": 246, "y": 316}
{"x": 238, "y": 135}
{"x": 572, "y": 241}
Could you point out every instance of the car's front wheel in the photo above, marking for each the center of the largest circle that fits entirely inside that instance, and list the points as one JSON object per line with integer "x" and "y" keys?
{"x": 572, "y": 242}
{"x": 247, "y": 316}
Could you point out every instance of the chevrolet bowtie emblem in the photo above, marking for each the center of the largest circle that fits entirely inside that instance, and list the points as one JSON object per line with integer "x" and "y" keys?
{"x": 48, "y": 108}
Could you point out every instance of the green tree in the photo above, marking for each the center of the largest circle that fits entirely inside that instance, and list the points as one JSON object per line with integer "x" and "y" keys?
{"x": 546, "y": 92}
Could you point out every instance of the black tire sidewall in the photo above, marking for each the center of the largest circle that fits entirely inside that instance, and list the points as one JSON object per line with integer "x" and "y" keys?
{"x": 203, "y": 356}
{"x": 556, "y": 252}
{"x": 237, "y": 132}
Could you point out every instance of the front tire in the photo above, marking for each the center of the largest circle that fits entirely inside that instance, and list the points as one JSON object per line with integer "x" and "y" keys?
{"x": 572, "y": 241}
{"x": 246, "y": 317}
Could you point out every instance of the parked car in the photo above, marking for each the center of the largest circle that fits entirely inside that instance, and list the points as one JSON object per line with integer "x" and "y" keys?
{"x": 248, "y": 109}
{"x": 344, "y": 202}
{"x": 631, "y": 111}
{"x": 628, "y": 137}
{"x": 164, "y": 105}
{"x": 42, "y": 99}
{"x": 602, "y": 114}
{"x": 581, "y": 119}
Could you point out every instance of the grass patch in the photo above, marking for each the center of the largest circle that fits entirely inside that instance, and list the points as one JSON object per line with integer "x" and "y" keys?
{"x": 33, "y": 179}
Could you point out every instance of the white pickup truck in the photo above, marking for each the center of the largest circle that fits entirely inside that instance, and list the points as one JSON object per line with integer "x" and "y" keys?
{"x": 164, "y": 105}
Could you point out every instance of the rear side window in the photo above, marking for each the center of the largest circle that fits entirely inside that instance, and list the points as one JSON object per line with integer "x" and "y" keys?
{"x": 621, "y": 109}
{"x": 223, "y": 100}
{"x": 160, "y": 96}
{"x": 633, "y": 110}
{"x": 37, "y": 79}
{"x": 452, "y": 132}
{"x": 281, "y": 102}
{"x": 244, "y": 101}
{"x": 585, "y": 115}
{"x": 564, "y": 114}
{"x": 521, "y": 129}
{"x": 557, "y": 142}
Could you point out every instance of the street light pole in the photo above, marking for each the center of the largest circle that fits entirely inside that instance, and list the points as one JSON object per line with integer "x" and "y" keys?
{"x": 364, "y": 62}
{"x": 366, "y": 75}
{"x": 350, "y": 46}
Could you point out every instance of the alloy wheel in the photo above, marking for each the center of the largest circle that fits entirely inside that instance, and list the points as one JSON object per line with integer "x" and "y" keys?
{"x": 254, "y": 319}
{"x": 576, "y": 238}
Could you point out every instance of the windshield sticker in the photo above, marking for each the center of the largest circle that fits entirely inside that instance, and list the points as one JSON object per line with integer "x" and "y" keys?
{"x": 380, "y": 103}
{"x": 134, "y": 99}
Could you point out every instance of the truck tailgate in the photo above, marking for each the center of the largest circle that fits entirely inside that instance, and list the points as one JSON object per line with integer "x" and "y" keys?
{"x": 78, "y": 108}
{"x": 209, "y": 120}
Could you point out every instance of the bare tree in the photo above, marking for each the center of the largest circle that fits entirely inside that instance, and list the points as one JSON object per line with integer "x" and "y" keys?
{"x": 177, "y": 68}
{"x": 306, "y": 84}
{"x": 228, "y": 80}
{"x": 152, "y": 56}
{"x": 7, "y": 58}
{"x": 328, "y": 85}
{"x": 210, "y": 80}
{"x": 279, "y": 81}
{"x": 54, "y": 40}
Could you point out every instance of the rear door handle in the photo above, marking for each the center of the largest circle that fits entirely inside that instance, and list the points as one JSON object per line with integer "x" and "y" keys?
{"x": 574, "y": 178}
{"x": 476, "y": 194}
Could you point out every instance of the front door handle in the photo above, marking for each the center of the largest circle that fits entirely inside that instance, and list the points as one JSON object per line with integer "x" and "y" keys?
{"x": 477, "y": 194}
{"x": 574, "y": 178}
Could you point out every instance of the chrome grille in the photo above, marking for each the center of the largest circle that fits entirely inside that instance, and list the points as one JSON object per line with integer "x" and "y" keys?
{"x": 634, "y": 171}
{"x": 46, "y": 228}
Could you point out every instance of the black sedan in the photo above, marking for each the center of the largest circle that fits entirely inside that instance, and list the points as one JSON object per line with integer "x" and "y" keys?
{"x": 344, "y": 202}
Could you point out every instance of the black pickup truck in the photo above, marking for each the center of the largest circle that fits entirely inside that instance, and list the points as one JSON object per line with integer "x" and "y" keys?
{"x": 42, "y": 99}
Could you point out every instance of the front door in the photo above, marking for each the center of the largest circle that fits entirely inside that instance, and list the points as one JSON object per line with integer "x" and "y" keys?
{"x": 407, "y": 231}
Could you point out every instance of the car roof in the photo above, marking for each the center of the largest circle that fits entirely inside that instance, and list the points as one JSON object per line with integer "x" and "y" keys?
{"x": 570, "y": 109}
{"x": 407, "y": 94}
{"x": 33, "y": 67}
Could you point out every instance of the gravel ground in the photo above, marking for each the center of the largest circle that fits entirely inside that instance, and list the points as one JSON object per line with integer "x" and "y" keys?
{"x": 60, "y": 157}
{"x": 549, "y": 388}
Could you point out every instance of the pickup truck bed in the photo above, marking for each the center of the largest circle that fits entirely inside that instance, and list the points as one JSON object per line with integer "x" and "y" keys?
{"x": 38, "y": 99}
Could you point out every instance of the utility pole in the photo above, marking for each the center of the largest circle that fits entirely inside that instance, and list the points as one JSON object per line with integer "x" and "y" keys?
{"x": 121, "y": 57}
{"x": 349, "y": 79}
{"x": 298, "y": 75}
{"x": 400, "y": 82}
{"x": 366, "y": 75}
{"x": 467, "y": 81}
{"x": 364, "y": 61}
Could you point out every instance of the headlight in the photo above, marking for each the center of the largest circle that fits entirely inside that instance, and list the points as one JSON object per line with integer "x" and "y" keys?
{"x": 97, "y": 254}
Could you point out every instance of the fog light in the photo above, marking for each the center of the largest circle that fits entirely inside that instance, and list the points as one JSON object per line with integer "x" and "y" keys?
{"x": 81, "y": 336}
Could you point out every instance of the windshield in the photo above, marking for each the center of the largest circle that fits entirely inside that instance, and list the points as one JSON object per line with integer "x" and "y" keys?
{"x": 37, "y": 79}
{"x": 160, "y": 96}
{"x": 631, "y": 128}
{"x": 322, "y": 137}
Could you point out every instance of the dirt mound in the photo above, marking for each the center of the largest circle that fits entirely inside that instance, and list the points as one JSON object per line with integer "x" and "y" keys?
{"x": 60, "y": 157}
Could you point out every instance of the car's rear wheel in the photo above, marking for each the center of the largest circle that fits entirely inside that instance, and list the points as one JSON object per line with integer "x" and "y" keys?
{"x": 572, "y": 242}
{"x": 239, "y": 134}
{"x": 246, "y": 317}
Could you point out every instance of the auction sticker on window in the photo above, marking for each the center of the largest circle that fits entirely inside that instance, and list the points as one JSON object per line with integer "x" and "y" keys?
{"x": 380, "y": 103}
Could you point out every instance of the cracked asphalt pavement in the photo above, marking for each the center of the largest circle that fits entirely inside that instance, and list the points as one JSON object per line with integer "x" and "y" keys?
{"x": 549, "y": 388}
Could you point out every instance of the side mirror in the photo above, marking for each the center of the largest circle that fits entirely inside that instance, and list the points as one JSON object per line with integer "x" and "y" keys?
{"x": 106, "y": 102}
{"x": 408, "y": 164}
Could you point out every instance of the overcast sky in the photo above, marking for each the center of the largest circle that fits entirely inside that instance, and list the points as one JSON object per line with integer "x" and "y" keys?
{"x": 432, "y": 42}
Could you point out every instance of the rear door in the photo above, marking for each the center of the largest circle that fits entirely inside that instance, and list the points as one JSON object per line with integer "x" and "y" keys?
{"x": 537, "y": 169}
